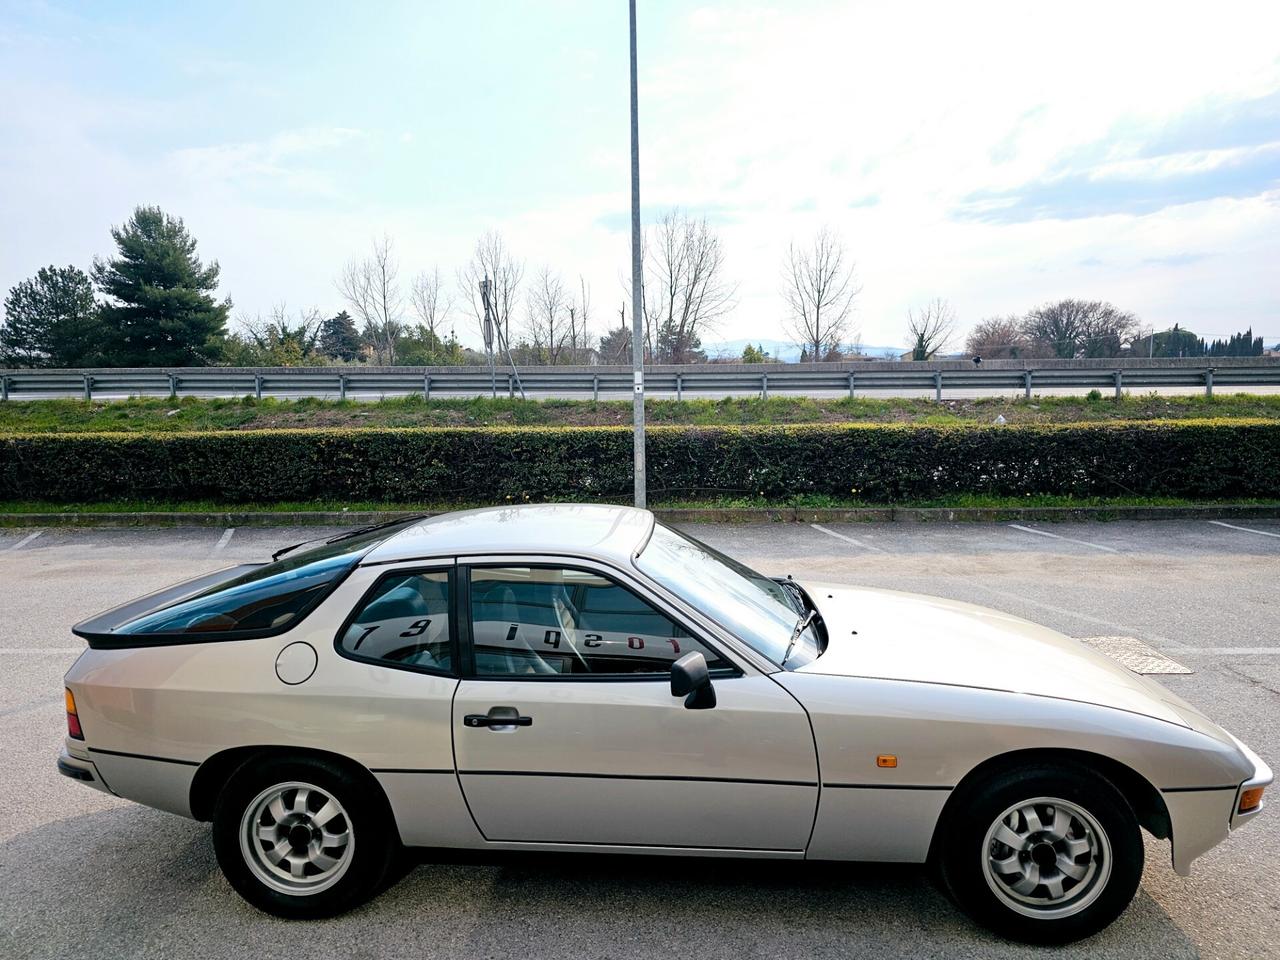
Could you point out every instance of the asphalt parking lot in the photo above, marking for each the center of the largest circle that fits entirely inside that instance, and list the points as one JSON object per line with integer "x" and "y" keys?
{"x": 86, "y": 875}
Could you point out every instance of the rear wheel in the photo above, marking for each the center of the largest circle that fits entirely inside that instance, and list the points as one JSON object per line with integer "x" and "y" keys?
{"x": 302, "y": 838}
{"x": 1043, "y": 854}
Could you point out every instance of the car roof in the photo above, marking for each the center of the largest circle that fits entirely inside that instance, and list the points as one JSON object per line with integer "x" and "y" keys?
{"x": 597, "y": 531}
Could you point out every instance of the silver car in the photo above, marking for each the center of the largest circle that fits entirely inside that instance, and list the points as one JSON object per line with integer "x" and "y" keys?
{"x": 582, "y": 678}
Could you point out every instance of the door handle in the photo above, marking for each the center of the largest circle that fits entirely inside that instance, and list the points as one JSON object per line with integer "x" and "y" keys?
{"x": 497, "y": 717}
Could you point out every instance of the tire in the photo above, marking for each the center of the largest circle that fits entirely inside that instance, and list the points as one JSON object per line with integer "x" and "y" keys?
{"x": 1046, "y": 854}
{"x": 303, "y": 838}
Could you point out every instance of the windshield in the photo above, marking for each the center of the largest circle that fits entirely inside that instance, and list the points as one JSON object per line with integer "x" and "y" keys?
{"x": 757, "y": 610}
{"x": 268, "y": 599}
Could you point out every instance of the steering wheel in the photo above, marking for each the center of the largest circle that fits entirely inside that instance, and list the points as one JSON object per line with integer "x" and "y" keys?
{"x": 568, "y": 630}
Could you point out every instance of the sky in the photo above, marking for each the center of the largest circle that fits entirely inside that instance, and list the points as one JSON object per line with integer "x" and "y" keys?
{"x": 996, "y": 155}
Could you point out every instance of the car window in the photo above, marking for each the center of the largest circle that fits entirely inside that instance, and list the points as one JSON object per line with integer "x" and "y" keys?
{"x": 267, "y": 599}
{"x": 404, "y": 620}
{"x": 545, "y": 621}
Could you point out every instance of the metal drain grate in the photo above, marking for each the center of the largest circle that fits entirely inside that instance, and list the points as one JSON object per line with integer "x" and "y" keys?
{"x": 1134, "y": 654}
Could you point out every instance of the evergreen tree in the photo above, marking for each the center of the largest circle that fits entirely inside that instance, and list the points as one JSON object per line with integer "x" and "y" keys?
{"x": 161, "y": 310}
{"x": 419, "y": 346}
{"x": 51, "y": 320}
{"x": 615, "y": 346}
{"x": 673, "y": 347}
{"x": 339, "y": 338}
{"x": 1240, "y": 345}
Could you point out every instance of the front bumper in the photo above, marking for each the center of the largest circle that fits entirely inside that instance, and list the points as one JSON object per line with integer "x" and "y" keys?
{"x": 85, "y": 771}
{"x": 1262, "y": 777}
{"x": 1201, "y": 818}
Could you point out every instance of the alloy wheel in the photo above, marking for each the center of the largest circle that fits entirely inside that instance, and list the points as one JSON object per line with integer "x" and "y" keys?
{"x": 296, "y": 838}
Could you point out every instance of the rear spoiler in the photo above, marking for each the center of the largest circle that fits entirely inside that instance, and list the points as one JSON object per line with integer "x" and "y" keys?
{"x": 100, "y": 629}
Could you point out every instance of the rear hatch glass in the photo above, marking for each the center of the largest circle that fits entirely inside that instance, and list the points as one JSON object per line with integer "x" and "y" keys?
{"x": 260, "y": 600}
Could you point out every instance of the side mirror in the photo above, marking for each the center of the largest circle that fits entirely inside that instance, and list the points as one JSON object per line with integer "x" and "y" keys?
{"x": 691, "y": 680}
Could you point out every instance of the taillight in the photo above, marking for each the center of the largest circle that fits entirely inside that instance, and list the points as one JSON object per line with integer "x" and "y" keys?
{"x": 1251, "y": 799}
{"x": 73, "y": 720}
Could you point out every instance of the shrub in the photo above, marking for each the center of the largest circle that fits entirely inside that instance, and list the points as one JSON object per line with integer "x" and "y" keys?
{"x": 1211, "y": 459}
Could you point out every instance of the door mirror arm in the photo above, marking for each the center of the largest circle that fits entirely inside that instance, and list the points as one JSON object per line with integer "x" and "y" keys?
{"x": 691, "y": 679}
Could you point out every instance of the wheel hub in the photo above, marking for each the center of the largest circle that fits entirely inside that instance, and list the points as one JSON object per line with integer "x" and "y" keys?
{"x": 299, "y": 836}
{"x": 1044, "y": 854}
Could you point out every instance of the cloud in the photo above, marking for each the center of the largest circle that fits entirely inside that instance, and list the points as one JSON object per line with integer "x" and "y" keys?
{"x": 995, "y": 154}
{"x": 283, "y": 161}
{"x": 1133, "y": 187}
{"x": 1176, "y": 259}
{"x": 617, "y": 221}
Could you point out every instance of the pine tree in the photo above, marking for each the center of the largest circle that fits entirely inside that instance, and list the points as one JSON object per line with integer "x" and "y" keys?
{"x": 339, "y": 338}
{"x": 615, "y": 346}
{"x": 51, "y": 320}
{"x": 161, "y": 310}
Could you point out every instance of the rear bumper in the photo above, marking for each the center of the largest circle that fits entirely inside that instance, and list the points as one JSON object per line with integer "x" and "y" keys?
{"x": 84, "y": 771}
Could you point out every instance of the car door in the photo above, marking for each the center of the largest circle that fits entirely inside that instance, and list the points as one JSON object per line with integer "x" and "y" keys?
{"x": 565, "y": 729}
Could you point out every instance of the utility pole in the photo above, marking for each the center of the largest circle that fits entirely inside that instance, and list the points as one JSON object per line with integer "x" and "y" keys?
{"x": 637, "y": 280}
{"x": 492, "y": 324}
{"x": 488, "y": 336}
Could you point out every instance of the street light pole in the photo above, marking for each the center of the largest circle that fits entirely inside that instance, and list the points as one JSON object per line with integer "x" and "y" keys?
{"x": 488, "y": 336}
{"x": 637, "y": 279}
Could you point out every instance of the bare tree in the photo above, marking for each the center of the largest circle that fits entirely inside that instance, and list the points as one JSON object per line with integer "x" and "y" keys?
{"x": 372, "y": 290}
{"x": 1107, "y": 330}
{"x": 820, "y": 289}
{"x": 998, "y": 338}
{"x": 431, "y": 304}
{"x": 930, "y": 329}
{"x": 548, "y": 317}
{"x": 492, "y": 259}
{"x": 1071, "y": 328}
{"x": 1056, "y": 327}
{"x": 579, "y": 321}
{"x": 685, "y": 291}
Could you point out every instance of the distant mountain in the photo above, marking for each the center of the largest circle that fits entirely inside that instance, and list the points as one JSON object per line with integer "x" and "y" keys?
{"x": 782, "y": 351}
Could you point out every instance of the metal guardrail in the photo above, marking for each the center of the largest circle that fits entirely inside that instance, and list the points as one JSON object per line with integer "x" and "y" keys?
{"x": 936, "y": 377}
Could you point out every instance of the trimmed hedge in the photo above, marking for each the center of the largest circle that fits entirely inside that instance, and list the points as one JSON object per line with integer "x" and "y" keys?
{"x": 883, "y": 463}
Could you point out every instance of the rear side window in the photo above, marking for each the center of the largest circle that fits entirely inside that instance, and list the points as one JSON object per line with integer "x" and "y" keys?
{"x": 404, "y": 621}
{"x": 269, "y": 599}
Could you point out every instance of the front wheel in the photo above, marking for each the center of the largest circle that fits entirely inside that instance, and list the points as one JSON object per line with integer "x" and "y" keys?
{"x": 302, "y": 838}
{"x": 1043, "y": 855}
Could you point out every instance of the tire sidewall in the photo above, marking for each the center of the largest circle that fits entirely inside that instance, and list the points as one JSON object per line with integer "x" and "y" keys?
{"x": 369, "y": 821}
{"x": 966, "y": 832}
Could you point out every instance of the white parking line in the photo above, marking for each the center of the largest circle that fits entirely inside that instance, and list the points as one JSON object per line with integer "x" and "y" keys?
{"x": 1232, "y": 526}
{"x": 23, "y": 542}
{"x": 1055, "y": 536}
{"x": 1236, "y": 651}
{"x": 854, "y": 540}
{"x": 1111, "y": 625}
{"x": 226, "y": 538}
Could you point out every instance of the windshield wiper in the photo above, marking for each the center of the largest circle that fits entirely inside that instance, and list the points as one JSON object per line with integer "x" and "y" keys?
{"x": 349, "y": 533}
{"x": 801, "y": 624}
{"x": 376, "y": 526}
{"x": 283, "y": 550}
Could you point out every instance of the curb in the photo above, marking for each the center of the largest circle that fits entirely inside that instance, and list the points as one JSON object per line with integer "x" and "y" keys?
{"x": 675, "y": 515}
